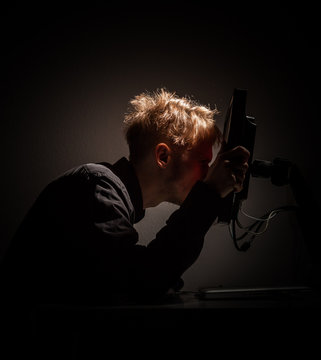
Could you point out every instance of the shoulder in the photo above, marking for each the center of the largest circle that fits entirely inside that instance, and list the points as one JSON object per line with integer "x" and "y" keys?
{"x": 109, "y": 190}
{"x": 103, "y": 174}
{"x": 93, "y": 171}
{"x": 90, "y": 174}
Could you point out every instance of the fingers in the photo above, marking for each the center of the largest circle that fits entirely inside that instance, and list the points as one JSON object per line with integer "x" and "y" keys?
{"x": 234, "y": 182}
{"x": 237, "y": 169}
{"x": 241, "y": 168}
{"x": 228, "y": 171}
{"x": 237, "y": 174}
{"x": 239, "y": 179}
{"x": 238, "y": 153}
{"x": 236, "y": 161}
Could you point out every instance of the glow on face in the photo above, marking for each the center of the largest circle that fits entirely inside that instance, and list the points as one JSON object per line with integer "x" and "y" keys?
{"x": 191, "y": 166}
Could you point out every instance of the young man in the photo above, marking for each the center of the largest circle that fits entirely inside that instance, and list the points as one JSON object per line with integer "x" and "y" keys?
{"x": 78, "y": 243}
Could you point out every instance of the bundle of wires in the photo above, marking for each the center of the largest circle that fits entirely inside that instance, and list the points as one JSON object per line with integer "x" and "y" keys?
{"x": 258, "y": 227}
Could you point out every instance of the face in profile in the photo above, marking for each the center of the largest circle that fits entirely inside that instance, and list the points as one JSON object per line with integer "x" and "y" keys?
{"x": 187, "y": 168}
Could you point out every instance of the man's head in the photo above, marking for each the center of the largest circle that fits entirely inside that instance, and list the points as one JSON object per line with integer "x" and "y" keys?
{"x": 175, "y": 135}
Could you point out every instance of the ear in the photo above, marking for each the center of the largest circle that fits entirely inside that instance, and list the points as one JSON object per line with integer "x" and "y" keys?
{"x": 163, "y": 155}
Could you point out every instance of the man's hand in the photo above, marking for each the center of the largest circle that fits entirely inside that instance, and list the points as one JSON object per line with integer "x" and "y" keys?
{"x": 227, "y": 173}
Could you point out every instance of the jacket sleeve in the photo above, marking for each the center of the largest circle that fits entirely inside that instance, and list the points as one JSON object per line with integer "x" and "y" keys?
{"x": 149, "y": 271}
{"x": 178, "y": 244}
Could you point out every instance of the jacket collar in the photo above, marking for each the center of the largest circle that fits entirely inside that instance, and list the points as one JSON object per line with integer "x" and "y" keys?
{"x": 126, "y": 172}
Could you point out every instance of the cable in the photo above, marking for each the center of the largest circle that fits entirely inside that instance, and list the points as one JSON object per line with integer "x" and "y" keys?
{"x": 257, "y": 224}
{"x": 270, "y": 216}
{"x": 253, "y": 217}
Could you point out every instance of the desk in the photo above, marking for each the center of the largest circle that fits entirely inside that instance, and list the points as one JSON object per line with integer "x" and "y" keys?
{"x": 178, "y": 310}
{"x": 74, "y": 330}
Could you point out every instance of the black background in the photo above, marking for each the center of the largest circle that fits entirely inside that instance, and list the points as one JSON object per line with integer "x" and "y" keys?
{"x": 68, "y": 71}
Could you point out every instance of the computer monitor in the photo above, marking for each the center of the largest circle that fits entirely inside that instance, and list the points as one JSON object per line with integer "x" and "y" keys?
{"x": 239, "y": 129}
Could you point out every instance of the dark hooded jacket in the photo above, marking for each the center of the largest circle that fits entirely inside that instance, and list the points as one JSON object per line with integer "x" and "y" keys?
{"x": 78, "y": 243}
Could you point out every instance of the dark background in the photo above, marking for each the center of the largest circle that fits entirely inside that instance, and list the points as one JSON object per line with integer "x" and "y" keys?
{"x": 68, "y": 72}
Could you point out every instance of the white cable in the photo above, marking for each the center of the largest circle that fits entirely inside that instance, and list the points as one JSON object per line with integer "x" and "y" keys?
{"x": 258, "y": 219}
{"x": 267, "y": 221}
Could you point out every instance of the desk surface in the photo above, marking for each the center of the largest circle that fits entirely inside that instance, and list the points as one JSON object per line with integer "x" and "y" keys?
{"x": 182, "y": 322}
{"x": 195, "y": 301}
{"x": 179, "y": 310}
{"x": 55, "y": 327}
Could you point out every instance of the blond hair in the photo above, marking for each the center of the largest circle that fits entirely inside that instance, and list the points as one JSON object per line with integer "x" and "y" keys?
{"x": 163, "y": 116}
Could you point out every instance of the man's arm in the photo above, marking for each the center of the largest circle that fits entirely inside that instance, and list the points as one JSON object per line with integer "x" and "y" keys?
{"x": 178, "y": 244}
{"x": 147, "y": 270}
{"x": 151, "y": 270}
